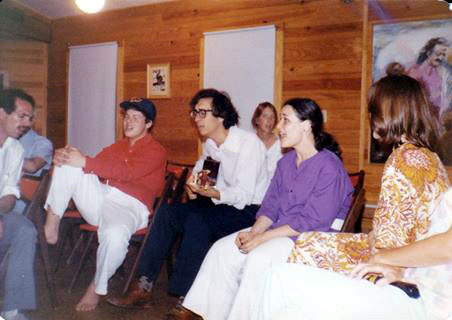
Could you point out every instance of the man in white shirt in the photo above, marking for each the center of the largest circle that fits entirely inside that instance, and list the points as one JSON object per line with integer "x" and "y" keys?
{"x": 17, "y": 233}
{"x": 214, "y": 212}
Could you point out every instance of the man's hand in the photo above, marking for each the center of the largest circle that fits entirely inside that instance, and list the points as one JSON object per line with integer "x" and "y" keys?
{"x": 389, "y": 273}
{"x": 69, "y": 156}
{"x": 193, "y": 189}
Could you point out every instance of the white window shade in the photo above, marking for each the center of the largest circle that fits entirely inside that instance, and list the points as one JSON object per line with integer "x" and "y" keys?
{"x": 242, "y": 63}
{"x": 92, "y": 96}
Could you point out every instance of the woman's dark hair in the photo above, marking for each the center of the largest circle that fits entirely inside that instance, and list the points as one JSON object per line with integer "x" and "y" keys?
{"x": 221, "y": 105}
{"x": 427, "y": 50}
{"x": 259, "y": 109}
{"x": 307, "y": 109}
{"x": 398, "y": 106}
{"x": 8, "y": 99}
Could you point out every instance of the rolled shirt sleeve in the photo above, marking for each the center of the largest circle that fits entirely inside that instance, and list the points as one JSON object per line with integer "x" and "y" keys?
{"x": 12, "y": 158}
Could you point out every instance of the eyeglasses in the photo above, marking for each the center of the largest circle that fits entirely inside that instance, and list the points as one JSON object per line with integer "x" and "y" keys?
{"x": 201, "y": 112}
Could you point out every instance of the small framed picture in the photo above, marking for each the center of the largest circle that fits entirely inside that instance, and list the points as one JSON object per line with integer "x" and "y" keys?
{"x": 3, "y": 79}
{"x": 159, "y": 81}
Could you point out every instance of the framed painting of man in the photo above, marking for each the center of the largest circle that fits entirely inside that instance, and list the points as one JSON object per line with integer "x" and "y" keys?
{"x": 420, "y": 49}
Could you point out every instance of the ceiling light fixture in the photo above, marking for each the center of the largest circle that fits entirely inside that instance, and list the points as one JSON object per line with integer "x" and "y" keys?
{"x": 90, "y": 6}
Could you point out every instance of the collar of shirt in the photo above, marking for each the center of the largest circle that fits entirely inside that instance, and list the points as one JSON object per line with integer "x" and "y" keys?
{"x": 232, "y": 142}
{"x": 293, "y": 160}
{"x": 28, "y": 137}
{"x": 7, "y": 143}
{"x": 140, "y": 143}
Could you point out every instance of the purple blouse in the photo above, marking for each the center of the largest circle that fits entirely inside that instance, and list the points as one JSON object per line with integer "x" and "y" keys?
{"x": 309, "y": 197}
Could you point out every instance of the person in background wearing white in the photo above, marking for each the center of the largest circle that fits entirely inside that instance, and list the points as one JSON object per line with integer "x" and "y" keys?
{"x": 264, "y": 122}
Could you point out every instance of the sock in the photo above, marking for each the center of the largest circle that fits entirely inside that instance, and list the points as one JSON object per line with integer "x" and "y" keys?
{"x": 145, "y": 284}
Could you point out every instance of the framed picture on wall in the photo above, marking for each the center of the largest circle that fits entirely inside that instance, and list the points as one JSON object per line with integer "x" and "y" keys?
{"x": 159, "y": 81}
{"x": 4, "y": 81}
{"x": 422, "y": 50}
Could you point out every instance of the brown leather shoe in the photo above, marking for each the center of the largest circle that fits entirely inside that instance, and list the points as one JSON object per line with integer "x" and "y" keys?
{"x": 181, "y": 313}
{"x": 135, "y": 297}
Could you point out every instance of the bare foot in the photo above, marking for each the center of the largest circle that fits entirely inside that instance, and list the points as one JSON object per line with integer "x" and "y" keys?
{"x": 51, "y": 227}
{"x": 89, "y": 300}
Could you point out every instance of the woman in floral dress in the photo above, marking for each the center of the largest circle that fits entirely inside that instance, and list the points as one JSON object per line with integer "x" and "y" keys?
{"x": 413, "y": 180}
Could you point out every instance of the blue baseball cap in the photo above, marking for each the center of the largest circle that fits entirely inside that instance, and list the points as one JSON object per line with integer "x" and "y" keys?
{"x": 143, "y": 105}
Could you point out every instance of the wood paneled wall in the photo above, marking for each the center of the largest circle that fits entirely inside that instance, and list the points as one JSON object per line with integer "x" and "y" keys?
{"x": 325, "y": 57}
{"x": 322, "y": 59}
{"x": 26, "y": 63}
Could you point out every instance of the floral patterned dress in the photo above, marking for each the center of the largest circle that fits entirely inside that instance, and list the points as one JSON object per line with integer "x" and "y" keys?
{"x": 412, "y": 183}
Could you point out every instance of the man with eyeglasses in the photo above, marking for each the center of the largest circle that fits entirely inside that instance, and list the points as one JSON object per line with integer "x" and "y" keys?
{"x": 37, "y": 157}
{"x": 114, "y": 190}
{"x": 214, "y": 212}
{"x": 17, "y": 233}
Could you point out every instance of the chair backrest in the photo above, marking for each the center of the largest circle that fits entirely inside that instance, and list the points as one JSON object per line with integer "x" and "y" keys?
{"x": 28, "y": 185}
{"x": 181, "y": 173}
{"x": 357, "y": 206}
{"x": 179, "y": 188}
{"x": 34, "y": 190}
{"x": 166, "y": 192}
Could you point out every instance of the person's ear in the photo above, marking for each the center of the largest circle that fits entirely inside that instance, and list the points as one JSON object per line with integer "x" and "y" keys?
{"x": 149, "y": 124}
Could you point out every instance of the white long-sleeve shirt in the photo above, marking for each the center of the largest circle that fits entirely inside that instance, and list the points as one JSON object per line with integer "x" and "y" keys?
{"x": 242, "y": 178}
{"x": 11, "y": 160}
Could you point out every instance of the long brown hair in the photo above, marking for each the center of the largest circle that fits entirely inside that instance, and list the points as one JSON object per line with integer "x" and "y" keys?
{"x": 398, "y": 106}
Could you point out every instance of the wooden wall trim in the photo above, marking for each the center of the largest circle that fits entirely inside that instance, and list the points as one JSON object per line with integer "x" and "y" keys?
{"x": 119, "y": 91}
{"x": 279, "y": 67}
{"x": 364, "y": 85}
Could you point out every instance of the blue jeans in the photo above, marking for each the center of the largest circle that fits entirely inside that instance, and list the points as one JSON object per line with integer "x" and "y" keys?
{"x": 19, "y": 239}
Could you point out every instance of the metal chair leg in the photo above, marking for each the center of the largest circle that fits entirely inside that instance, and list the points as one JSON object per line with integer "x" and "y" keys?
{"x": 82, "y": 260}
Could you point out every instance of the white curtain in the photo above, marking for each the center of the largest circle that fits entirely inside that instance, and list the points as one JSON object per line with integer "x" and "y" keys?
{"x": 92, "y": 96}
{"x": 242, "y": 63}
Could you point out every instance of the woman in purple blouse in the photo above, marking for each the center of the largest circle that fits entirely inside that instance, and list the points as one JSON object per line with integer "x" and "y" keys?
{"x": 310, "y": 191}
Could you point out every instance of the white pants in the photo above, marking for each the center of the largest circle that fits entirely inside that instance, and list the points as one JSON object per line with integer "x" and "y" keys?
{"x": 229, "y": 281}
{"x": 299, "y": 292}
{"x": 116, "y": 214}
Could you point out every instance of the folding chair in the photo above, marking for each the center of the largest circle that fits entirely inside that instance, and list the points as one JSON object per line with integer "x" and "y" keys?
{"x": 351, "y": 223}
{"x": 34, "y": 191}
{"x": 89, "y": 233}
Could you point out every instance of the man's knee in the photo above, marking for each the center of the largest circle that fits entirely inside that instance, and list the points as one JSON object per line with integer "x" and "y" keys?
{"x": 25, "y": 230}
{"x": 114, "y": 237}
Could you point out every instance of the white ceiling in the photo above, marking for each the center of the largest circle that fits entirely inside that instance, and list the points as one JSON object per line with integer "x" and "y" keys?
{"x": 54, "y": 9}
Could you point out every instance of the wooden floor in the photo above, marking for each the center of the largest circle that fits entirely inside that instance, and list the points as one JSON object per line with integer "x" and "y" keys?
{"x": 66, "y": 310}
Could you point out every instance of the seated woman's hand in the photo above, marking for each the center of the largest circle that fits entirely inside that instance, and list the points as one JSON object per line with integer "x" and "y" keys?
{"x": 249, "y": 240}
{"x": 389, "y": 273}
{"x": 242, "y": 237}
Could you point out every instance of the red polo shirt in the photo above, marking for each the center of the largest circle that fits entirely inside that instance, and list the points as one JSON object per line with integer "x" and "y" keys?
{"x": 138, "y": 171}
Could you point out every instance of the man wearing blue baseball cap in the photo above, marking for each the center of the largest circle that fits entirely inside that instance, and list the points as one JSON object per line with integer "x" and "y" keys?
{"x": 114, "y": 190}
